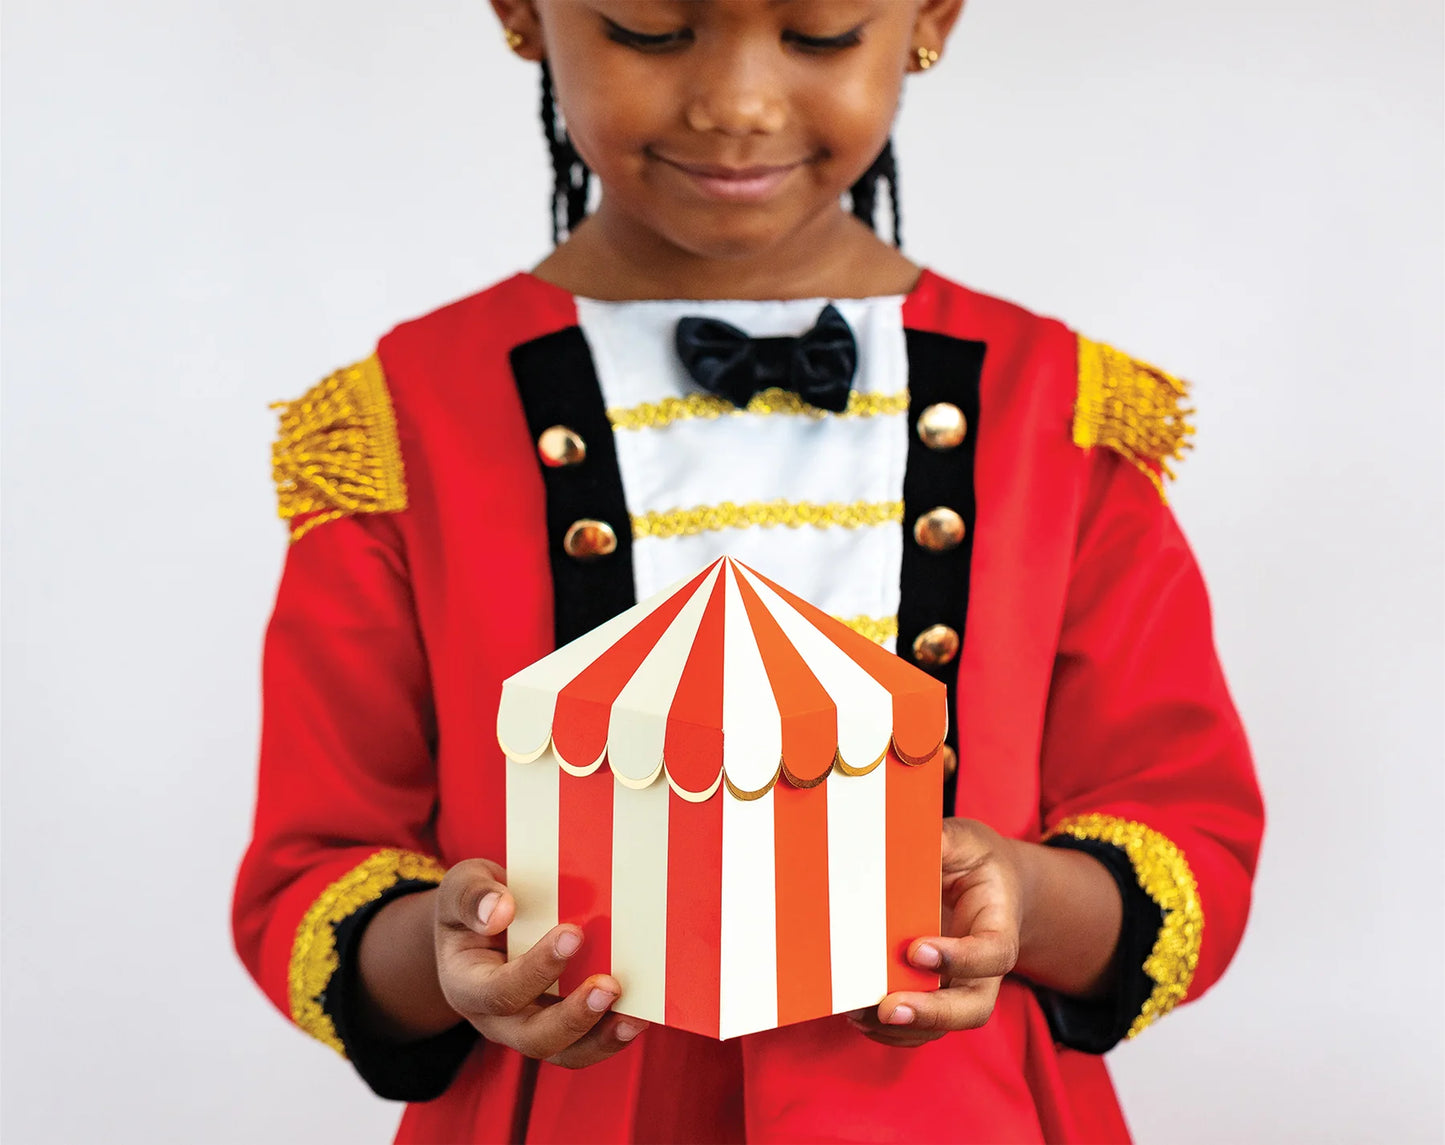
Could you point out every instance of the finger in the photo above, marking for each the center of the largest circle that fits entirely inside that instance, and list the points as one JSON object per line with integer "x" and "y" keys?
{"x": 613, "y": 1034}
{"x": 983, "y": 954}
{"x": 954, "y": 1008}
{"x": 474, "y": 897}
{"x": 962, "y": 847}
{"x": 548, "y": 1030}
{"x": 898, "y": 1037}
{"x": 499, "y": 989}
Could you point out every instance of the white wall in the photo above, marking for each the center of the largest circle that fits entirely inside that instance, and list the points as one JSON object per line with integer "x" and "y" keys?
{"x": 208, "y": 206}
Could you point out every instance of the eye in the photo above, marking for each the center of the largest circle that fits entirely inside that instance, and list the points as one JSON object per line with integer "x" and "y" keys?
{"x": 823, "y": 44}
{"x": 647, "y": 41}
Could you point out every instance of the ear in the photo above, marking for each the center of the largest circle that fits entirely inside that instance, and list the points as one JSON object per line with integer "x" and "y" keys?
{"x": 931, "y": 26}
{"x": 519, "y": 19}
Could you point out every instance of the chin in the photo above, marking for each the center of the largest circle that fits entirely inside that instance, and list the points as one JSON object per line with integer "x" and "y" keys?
{"x": 731, "y": 239}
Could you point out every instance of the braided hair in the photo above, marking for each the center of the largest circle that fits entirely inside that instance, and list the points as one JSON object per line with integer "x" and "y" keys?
{"x": 572, "y": 179}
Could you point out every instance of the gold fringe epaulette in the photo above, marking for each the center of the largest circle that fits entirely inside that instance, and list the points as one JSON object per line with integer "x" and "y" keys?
{"x": 1164, "y": 875}
{"x": 1132, "y": 408}
{"x": 337, "y": 451}
{"x": 314, "y": 959}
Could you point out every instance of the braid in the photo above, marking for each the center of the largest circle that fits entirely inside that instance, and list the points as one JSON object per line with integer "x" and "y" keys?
{"x": 864, "y": 193}
{"x": 571, "y": 179}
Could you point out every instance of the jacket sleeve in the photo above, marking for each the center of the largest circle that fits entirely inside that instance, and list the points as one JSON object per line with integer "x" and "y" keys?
{"x": 1144, "y": 762}
{"x": 347, "y": 786}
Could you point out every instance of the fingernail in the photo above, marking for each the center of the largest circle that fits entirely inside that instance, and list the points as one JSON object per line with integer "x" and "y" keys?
{"x": 626, "y": 1031}
{"x": 599, "y": 1000}
{"x": 567, "y": 943}
{"x": 928, "y": 956}
{"x": 901, "y": 1016}
{"x": 487, "y": 905}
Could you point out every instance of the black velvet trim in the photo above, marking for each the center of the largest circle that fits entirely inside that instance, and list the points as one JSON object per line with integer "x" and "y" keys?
{"x": 416, "y": 1071}
{"x": 934, "y": 586}
{"x": 1096, "y": 1025}
{"x": 557, "y": 383}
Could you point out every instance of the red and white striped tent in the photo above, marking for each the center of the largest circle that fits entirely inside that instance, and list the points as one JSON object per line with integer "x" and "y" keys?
{"x": 737, "y": 797}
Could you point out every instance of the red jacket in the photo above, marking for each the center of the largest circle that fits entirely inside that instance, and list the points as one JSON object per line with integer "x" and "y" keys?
{"x": 1090, "y": 704}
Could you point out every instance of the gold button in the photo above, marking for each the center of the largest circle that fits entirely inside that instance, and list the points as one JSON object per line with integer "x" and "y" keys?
{"x": 939, "y": 530}
{"x": 942, "y": 426}
{"x": 559, "y": 446}
{"x": 950, "y": 761}
{"x": 586, "y": 540}
{"x": 936, "y": 646}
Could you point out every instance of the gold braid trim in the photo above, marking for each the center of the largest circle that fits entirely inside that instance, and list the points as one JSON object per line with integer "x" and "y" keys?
{"x": 656, "y": 415}
{"x": 313, "y": 954}
{"x": 337, "y": 451}
{"x": 1164, "y": 875}
{"x": 1132, "y": 408}
{"x": 876, "y": 628}
{"x": 767, "y": 514}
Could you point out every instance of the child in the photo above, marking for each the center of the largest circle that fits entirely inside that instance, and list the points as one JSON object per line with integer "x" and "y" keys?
{"x": 722, "y": 359}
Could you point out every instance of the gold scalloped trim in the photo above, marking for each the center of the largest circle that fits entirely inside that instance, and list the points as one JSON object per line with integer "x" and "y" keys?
{"x": 659, "y": 414}
{"x": 337, "y": 451}
{"x": 875, "y": 628}
{"x": 313, "y": 953}
{"x": 1164, "y": 875}
{"x": 1133, "y": 408}
{"x": 765, "y": 514}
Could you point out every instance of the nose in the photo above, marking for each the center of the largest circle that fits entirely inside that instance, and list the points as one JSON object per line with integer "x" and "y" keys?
{"x": 738, "y": 94}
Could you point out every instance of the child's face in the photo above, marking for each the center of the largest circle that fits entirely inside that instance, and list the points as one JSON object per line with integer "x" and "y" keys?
{"x": 728, "y": 126}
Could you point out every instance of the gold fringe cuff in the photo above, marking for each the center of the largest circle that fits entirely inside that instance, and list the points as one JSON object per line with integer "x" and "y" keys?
{"x": 313, "y": 954}
{"x": 337, "y": 451}
{"x": 1132, "y": 408}
{"x": 657, "y": 415}
{"x": 767, "y": 515}
{"x": 1164, "y": 875}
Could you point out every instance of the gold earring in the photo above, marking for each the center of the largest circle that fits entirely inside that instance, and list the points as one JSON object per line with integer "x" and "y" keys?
{"x": 514, "y": 38}
{"x": 927, "y": 57}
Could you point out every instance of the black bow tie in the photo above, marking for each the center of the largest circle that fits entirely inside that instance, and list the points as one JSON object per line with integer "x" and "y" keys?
{"x": 818, "y": 366}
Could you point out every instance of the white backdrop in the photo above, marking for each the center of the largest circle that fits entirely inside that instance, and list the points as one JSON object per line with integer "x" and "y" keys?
{"x": 209, "y": 206}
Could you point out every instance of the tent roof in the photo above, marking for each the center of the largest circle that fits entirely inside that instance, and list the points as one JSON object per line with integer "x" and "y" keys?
{"x": 723, "y": 678}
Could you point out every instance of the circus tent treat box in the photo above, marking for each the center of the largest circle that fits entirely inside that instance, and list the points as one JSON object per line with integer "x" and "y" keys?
{"x": 736, "y": 797}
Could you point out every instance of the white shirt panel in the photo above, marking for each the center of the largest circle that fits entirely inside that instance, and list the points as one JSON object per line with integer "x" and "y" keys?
{"x": 744, "y": 457}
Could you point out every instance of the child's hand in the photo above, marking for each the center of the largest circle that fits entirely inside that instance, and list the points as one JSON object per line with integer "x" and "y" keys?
{"x": 505, "y": 1000}
{"x": 982, "y": 916}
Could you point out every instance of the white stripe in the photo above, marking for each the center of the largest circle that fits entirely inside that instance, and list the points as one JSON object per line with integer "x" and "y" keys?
{"x": 529, "y": 698}
{"x": 752, "y": 728}
{"x": 639, "y": 898}
{"x": 533, "y": 806}
{"x": 865, "y": 707}
{"x": 858, "y": 888}
{"x": 749, "y": 983}
{"x": 638, "y": 724}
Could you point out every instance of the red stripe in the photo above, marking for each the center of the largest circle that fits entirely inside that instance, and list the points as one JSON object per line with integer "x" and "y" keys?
{"x": 584, "y": 707}
{"x": 920, "y": 703}
{"x": 915, "y": 865}
{"x": 584, "y": 865}
{"x": 809, "y": 716}
{"x": 694, "y": 913}
{"x": 693, "y": 747}
{"x": 805, "y": 964}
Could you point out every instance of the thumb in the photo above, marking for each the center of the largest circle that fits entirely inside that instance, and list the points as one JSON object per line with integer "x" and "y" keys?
{"x": 473, "y": 896}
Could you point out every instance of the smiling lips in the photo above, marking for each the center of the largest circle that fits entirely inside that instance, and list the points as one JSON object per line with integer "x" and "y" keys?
{"x": 734, "y": 184}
